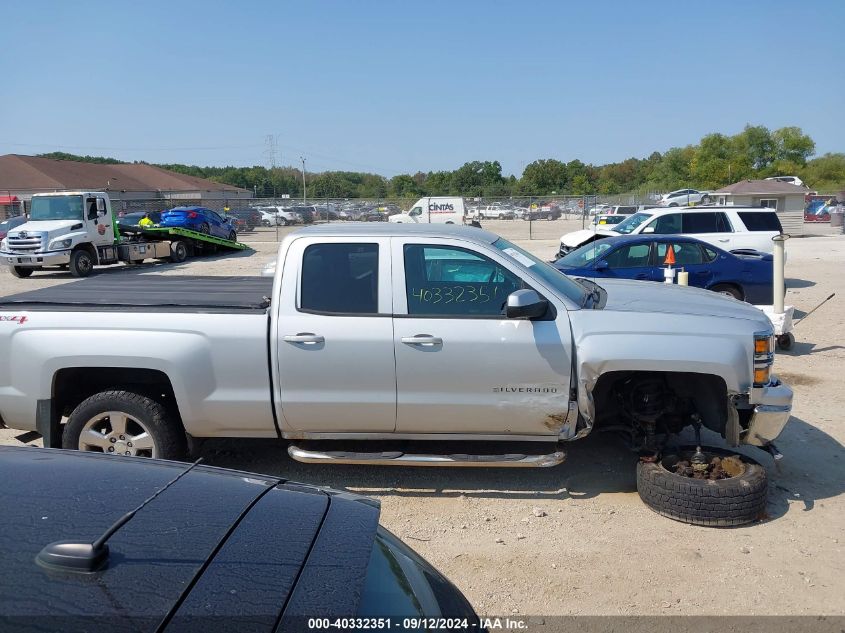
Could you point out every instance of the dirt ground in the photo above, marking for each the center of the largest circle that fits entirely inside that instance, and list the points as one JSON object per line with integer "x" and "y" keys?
{"x": 595, "y": 549}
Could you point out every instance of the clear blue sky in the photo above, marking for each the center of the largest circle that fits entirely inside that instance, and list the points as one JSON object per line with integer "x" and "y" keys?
{"x": 401, "y": 86}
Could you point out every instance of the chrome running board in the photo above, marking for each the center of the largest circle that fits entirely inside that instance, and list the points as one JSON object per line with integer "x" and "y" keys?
{"x": 398, "y": 458}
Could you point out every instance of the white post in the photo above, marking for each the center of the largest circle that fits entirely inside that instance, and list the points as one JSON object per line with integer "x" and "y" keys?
{"x": 669, "y": 275}
{"x": 778, "y": 287}
{"x": 683, "y": 278}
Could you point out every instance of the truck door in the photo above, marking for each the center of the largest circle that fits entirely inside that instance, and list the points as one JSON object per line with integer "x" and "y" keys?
{"x": 99, "y": 221}
{"x": 461, "y": 366}
{"x": 334, "y": 336}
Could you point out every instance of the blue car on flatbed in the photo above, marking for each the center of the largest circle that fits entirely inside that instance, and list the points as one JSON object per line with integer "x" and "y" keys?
{"x": 744, "y": 275}
{"x": 199, "y": 219}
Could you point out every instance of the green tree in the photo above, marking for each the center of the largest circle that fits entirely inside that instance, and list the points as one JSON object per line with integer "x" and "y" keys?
{"x": 791, "y": 144}
{"x": 544, "y": 176}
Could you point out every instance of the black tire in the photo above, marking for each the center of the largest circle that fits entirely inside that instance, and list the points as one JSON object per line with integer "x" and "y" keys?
{"x": 550, "y": 217}
{"x": 166, "y": 433}
{"x": 233, "y": 237}
{"x": 81, "y": 263}
{"x": 673, "y": 204}
{"x": 721, "y": 503}
{"x": 481, "y": 216}
{"x": 728, "y": 289}
{"x": 204, "y": 228}
{"x": 786, "y": 341}
{"x": 706, "y": 199}
{"x": 22, "y": 273}
{"x": 178, "y": 252}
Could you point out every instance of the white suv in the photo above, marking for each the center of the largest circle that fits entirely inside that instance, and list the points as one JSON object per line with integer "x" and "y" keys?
{"x": 729, "y": 228}
{"x": 685, "y": 198}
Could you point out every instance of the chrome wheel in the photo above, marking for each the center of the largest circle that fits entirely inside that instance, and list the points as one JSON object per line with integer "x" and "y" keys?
{"x": 117, "y": 433}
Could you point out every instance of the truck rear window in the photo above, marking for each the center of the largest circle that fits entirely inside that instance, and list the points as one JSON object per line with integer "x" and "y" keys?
{"x": 761, "y": 221}
{"x": 340, "y": 279}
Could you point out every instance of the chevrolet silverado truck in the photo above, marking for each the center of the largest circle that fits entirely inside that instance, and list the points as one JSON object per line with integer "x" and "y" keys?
{"x": 413, "y": 345}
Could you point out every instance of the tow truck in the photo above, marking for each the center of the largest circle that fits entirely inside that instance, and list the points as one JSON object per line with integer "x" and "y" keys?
{"x": 77, "y": 231}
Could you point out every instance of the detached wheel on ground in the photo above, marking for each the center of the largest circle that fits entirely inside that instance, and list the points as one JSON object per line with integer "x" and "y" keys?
{"x": 81, "y": 263}
{"x": 734, "y": 500}
{"x": 21, "y": 273}
{"x": 785, "y": 341}
{"x": 124, "y": 423}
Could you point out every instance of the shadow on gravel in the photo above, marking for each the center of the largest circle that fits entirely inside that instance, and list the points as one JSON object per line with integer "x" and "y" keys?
{"x": 598, "y": 464}
{"x": 812, "y": 470}
{"x": 798, "y": 283}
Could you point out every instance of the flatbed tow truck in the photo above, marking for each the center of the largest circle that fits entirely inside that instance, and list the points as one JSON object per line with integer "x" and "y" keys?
{"x": 77, "y": 230}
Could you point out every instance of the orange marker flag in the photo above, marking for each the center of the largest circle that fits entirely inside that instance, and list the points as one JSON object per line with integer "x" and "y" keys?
{"x": 670, "y": 256}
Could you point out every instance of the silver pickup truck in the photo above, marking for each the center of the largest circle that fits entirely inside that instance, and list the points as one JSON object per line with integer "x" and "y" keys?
{"x": 452, "y": 340}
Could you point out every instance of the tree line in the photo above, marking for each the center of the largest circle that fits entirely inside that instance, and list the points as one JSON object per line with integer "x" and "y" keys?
{"x": 715, "y": 161}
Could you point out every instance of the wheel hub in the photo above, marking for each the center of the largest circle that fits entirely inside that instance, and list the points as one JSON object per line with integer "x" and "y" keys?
{"x": 117, "y": 433}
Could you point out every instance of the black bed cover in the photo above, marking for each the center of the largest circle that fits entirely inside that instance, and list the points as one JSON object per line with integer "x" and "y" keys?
{"x": 144, "y": 293}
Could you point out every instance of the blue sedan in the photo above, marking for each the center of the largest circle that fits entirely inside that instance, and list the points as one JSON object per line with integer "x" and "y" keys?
{"x": 744, "y": 275}
{"x": 199, "y": 219}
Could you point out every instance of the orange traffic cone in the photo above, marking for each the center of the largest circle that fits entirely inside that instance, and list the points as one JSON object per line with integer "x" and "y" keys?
{"x": 670, "y": 256}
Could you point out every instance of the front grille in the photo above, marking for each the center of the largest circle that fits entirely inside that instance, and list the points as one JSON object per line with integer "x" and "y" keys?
{"x": 31, "y": 243}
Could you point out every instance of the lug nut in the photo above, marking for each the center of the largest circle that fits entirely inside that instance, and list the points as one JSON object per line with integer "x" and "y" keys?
{"x": 123, "y": 437}
{"x": 111, "y": 449}
{"x": 128, "y": 453}
{"x": 129, "y": 444}
{"x": 112, "y": 440}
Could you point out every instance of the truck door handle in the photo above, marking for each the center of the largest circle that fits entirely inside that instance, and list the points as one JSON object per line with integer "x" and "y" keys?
{"x": 308, "y": 338}
{"x": 724, "y": 241}
{"x": 422, "y": 339}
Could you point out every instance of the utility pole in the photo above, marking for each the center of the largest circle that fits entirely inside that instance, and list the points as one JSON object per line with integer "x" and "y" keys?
{"x": 303, "y": 178}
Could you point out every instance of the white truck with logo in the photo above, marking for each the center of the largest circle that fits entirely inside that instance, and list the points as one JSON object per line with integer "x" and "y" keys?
{"x": 434, "y": 210}
{"x": 76, "y": 230}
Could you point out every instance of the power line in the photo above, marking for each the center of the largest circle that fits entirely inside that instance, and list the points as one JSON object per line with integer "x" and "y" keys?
{"x": 130, "y": 149}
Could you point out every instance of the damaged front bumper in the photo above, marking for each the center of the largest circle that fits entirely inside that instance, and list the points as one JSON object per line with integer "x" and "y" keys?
{"x": 772, "y": 407}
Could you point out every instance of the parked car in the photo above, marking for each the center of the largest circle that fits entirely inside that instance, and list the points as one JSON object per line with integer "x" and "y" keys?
{"x": 746, "y": 276}
{"x": 494, "y": 212}
{"x": 545, "y": 211}
{"x": 623, "y": 209}
{"x": 201, "y": 220}
{"x": 132, "y": 219}
{"x": 305, "y": 212}
{"x": 11, "y": 223}
{"x": 727, "y": 227}
{"x": 410, "y": 320}
{"x": 685, "y": 198}
{"x": 251, "y": 218}
{"x": 606, "y": 219}
{"x": 598, "y": 209}
{"x": 219, "y": 549}
{"x": 818, "y": 210}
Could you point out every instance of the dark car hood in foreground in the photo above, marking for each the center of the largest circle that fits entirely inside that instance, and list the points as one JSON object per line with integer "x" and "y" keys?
{"x": 217, "y": 546}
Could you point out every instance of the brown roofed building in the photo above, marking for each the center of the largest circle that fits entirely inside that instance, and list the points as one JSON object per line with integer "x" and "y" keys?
{"x": 129, "y": 185}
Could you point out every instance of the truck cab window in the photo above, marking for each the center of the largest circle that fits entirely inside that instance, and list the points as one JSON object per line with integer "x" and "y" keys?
{"x": 451, "y": 281}
{"x": 340, "y": 279}
{"x": 92, "y": 208}
{"x": 416, "y": 211}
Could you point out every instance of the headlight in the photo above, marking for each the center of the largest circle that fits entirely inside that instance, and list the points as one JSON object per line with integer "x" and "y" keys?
{"x": 764, "y": 357}
{"x": 56, "y": 245}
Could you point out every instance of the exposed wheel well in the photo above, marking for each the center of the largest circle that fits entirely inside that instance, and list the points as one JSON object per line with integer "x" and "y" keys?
{"x": 705, "y": 394}
{"x": 74, "y": 384}
{"x": 728, "y": 284}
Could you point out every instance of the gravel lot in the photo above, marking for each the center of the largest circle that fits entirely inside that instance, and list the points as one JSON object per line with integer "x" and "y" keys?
{"x": 575, "y": 539}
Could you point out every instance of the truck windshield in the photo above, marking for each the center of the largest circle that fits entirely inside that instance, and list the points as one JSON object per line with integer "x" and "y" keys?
{"x": 56, "y": 208}
{"x": 570, "y": 289}
{"x": 631, "y": 223}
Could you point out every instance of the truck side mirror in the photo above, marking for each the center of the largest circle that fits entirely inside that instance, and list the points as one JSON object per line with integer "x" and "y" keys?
{"x": 525, "y": 304}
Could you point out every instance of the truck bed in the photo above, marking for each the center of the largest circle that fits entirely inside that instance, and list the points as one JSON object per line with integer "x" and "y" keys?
{"x": 149, "y": 293}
